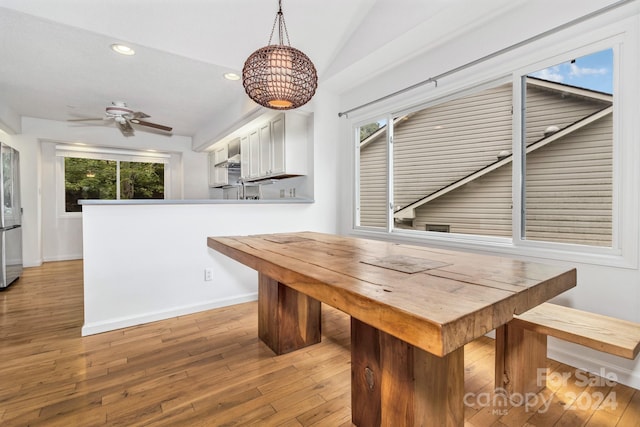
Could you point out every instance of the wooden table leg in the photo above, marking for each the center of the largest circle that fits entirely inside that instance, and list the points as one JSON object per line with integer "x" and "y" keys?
{"x": 520, "y": 355}
{"x": 287, "y": 319}
{"x": 396, "y": 384}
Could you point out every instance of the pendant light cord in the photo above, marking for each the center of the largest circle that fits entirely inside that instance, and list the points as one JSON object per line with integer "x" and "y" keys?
{"x": 282, "y": 27}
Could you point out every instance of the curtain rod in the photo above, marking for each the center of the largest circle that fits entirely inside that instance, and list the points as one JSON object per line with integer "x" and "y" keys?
{"x": 492, "y": 55}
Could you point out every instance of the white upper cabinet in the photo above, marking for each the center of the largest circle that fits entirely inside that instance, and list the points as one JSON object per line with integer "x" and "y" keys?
{"x": 254, "y": 155}
{"x": 281, "y": 148}
{"x": 265, "y": 149}
{"x": 220, "y": 155}
{"x": 244, "y": 157}
{"x": 218, "y": 176}
{"x": 278, "y": 153}
{"x": 273, "y": 148}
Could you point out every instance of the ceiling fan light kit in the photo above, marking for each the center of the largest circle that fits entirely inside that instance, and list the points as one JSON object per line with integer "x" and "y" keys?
{"x": 117, "y": 109}
{"x": 279, "y": 76}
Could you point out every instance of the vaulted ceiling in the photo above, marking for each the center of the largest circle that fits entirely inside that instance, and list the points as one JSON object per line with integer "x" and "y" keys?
{"x": 55, "y": 60}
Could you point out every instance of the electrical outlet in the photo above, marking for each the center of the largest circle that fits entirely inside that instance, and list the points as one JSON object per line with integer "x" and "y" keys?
{"x": 208, "y": 274}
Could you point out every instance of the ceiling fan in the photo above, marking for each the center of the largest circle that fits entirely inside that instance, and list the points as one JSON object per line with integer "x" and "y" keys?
{"x": 124, "y": 116}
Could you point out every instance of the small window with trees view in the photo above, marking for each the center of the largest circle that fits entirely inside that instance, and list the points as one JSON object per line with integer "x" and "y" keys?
{"x": 86, "y": 178}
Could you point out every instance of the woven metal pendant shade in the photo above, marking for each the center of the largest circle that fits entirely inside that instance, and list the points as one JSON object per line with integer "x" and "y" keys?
{"x": 279, "y": 76}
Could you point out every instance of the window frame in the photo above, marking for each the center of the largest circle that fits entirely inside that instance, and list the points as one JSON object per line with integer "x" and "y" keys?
{"x": 622, "y": 37}
{"x": 99, "y": 153}
{"x": 389, "y": 186}
{"x": 518, "y": 193}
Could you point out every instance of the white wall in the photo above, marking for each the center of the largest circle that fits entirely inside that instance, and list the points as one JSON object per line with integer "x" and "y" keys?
{"x": 48, "y": 236}
{"x": 602, "y": 287}
{"x": 146, "y": 262}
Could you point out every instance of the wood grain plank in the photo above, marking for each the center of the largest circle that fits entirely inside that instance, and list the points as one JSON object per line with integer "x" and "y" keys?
{"x": 366, "y": 374}
{"x": 520, "y": 356}
{"x": 428, "y": 310}
{"x": 287, "y": 319}
{"x": 384, "y": 368}
{"x": 603, "y": 333}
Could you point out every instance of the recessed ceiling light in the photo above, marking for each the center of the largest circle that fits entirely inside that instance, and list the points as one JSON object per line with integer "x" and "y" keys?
{"x": 231, "y": 76}
{"x": 122, "y": 49}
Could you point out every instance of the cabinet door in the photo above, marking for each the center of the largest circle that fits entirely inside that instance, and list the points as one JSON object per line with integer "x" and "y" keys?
{"x": 265, "y": 149}
{"x": 244, "y": 157}
{"x": 221, "y": 176}
{"x": 254, "y": 154}
{"x": 217, "y": 176}
{"x": 277, "y": 146}
{"x": 220, "y": 155}
{"x": 212, "y": 169}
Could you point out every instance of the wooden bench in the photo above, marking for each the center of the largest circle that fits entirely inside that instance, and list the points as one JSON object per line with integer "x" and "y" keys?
{"x": 521, "y": 345}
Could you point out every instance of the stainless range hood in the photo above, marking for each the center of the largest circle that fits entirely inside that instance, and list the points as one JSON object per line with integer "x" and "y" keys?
{"x": 233, "y": 156}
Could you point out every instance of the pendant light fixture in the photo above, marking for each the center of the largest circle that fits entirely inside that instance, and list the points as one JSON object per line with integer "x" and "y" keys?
{"x": 279, "y": 76}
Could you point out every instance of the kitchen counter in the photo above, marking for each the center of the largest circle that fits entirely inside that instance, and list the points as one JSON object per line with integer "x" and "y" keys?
{"x": 144, "y": 260}
{"x": 196, "y": 201}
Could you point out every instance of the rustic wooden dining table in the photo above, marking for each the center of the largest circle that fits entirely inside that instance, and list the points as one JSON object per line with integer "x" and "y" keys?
{"x": 412, "y": 308}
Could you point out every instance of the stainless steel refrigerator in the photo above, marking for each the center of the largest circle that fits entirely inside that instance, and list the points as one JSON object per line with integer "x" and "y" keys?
{"x": 10, "y": 217}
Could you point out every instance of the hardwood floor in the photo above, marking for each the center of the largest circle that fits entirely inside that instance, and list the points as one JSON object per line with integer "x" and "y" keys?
{"x": 210, "y": 369}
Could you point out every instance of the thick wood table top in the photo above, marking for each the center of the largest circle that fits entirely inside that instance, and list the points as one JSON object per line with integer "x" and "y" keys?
{"x": 434, "y": 299}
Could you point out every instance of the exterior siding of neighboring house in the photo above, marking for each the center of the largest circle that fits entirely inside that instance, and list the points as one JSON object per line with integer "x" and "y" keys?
{"x": 481, "y": 207}
{"x": 568, "y": 194}
{"x": 439, "y": 145}
{"x": 569, "y": 187}
{"x": 558, "y": 207}
{"x": 373, "y": 182}
{"x": 548, "y": 104}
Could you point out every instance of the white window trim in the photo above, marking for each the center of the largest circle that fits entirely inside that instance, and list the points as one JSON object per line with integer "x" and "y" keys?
{"x": 578, "y": 251}
{"x": 585, "y": 38}
{"x": 101, "y": 153}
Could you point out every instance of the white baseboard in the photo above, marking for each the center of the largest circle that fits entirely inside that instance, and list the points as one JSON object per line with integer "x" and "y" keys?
{"x": 113, "y": 324}
{"x": 596, "y": 363}
{"x": 68, "y": 257}
{"x": 32, "y": 263}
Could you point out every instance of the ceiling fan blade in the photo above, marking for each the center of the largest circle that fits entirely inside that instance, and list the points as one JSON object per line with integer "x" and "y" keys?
{"x": 125, "y": 128}
{"x": 151, "y": 125}
{"x": 140, "y": 115}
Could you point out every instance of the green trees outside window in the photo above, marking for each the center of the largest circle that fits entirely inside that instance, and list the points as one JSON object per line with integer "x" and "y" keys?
{"x": 110, "y": 180}
{"x": 141, "y": 180}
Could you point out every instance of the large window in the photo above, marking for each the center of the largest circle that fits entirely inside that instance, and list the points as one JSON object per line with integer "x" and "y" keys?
{"x": 111, "y": 176}
{"x": 568, "y": 147}
{"x": 466, "y": 165}
{"x": 452, "y": 165}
